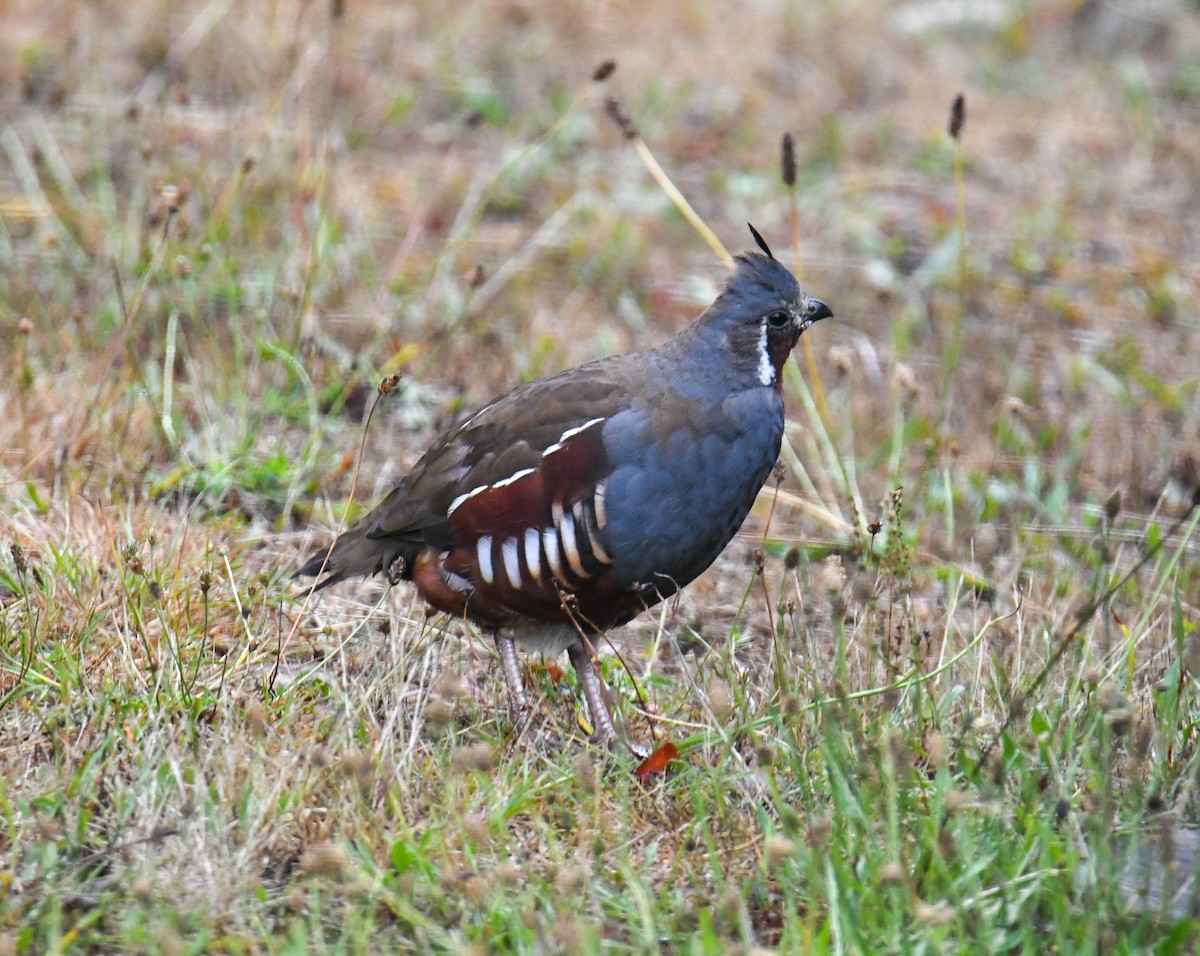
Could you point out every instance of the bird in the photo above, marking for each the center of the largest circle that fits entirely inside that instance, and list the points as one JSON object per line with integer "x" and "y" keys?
{"x": 573, "y": 503}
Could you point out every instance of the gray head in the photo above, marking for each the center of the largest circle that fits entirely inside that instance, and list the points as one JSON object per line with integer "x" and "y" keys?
{"x": 762, "y": 313}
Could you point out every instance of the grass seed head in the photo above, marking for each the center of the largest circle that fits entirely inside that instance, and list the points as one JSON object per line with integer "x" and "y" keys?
{"x": 777, "y": 850}
{"x": 729, "y": 907}
{"x": 480, "y": 756}
{"x": 325, "y": 859}
{"x": 570, "y": 880}
{"x": 616, "y": 112}
{"x": 1143, "y": 739}
{"x": 720, "y": 698}
{"x": 452, "y": 686}
{"x": 958, "y": 116}
{"x": 477, "y": 829}
{"x": 1116, "y": 710}
{"x": 787, "y": 160}
{"x": 820, "y": 828}
{"x": 566, "y": 934}
{"x": 356, "y": 764}
{"x": 1191, "y": 653}
{"x": 935, "y": 749}
{"x": 946, "y": 845}
{"x": 439, "y": 714}
{"x": 831, "y": 576}
{"x": 585, "y": 773}
{"x": 1112, "y": 506}
{"x": 935, "y": 914}
{"x": 256, "y": 718}
{"x": 905, "y": 380}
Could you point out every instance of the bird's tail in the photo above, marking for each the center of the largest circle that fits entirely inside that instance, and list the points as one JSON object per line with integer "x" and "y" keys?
{"x": 354, "y": 555}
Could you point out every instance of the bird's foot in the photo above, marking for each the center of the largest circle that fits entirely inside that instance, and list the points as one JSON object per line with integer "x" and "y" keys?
{"x": 616, "y": 740}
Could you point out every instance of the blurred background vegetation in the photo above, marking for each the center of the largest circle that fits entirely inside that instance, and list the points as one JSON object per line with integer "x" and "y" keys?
{"x": 930, "y": 722}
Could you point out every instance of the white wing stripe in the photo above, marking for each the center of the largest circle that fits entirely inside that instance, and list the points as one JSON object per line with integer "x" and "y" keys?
{"x": 533, "y": 553}
{"x": 483, "y": 555}
{"x": 598, "y": 506}
{"x": 463, "y": 497}
{"x": 567, "y": 531}
{"x": 572, "y": 432}
{"x": 588, "y": 517}
{"x": 550, "y": 543}
{"x": 515, "y": 476}
{"x": 512, "y": 562}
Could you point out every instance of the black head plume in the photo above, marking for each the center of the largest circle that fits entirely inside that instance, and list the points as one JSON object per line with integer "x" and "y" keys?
{"x": 762, "y": 243}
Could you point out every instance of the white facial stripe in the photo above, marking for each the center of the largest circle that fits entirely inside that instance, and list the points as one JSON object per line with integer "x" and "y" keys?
{"x": 766, "y": 371}
{"x": 512, "y": 562}
{"x": 533, "y": 553}
{"x": 516, "y": 476}
{"x": 461, "y": 498}
{"x": 550, "y": 541}
{"x": 483, "y": 555}
{"x": 598, "y": 506}
{"x": 570, "y": 549}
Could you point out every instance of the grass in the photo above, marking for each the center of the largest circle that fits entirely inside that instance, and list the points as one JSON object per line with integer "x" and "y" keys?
{"x": 939, "y": 696}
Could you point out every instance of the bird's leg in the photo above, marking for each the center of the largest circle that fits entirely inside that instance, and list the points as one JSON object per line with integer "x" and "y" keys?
{"x": 512, "y": 679}
{"x": 605, "y": 732}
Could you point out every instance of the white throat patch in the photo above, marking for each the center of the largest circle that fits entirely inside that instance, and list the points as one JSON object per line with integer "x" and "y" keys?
{"x": 766, "y": 371}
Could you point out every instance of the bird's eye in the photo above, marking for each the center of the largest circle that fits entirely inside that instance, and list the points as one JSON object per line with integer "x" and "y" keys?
{"x": 778, "y": 319}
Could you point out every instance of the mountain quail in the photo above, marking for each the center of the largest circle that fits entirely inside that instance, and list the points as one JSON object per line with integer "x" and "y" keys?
{"x": 575, "y": 502}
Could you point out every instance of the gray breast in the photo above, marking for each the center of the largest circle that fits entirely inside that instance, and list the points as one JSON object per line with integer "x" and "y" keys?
{"x": 679, "y": 491}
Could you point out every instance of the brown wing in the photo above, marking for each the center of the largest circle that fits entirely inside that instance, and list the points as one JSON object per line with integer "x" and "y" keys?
{"x": 501, "y": 440}
{"x": 493, "y": 472}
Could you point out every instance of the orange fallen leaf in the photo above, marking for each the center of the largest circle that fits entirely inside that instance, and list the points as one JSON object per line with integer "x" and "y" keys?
{"x": 550, "y": 669}
{"x": 341, "y": 467}
{"x": 657, "y": 761}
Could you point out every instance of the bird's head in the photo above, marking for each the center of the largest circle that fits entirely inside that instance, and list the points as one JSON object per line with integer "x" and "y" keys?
{"x": 761, "y": 314}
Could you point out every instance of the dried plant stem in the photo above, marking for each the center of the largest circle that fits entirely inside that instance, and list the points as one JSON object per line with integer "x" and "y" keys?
{"x": 617, "y": 113}
{"x": 810, "y": 360}
{"x": 1085, "y": 614}
{"x": 681, "y": 203}
{"x": 954, "y": 349}
{"x": 386, "y": 387}
{"x": 129, "y": 314}
{"x": 472, "y": 209}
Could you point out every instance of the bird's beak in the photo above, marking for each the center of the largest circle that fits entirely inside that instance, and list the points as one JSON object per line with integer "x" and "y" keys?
{"x": 817, "y": 310}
